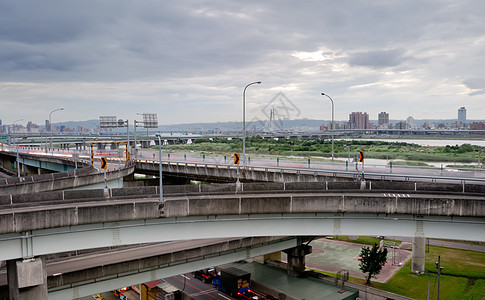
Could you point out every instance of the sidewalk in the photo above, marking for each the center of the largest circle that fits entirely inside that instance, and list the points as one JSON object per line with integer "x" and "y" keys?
{"x": 332, "y": 256}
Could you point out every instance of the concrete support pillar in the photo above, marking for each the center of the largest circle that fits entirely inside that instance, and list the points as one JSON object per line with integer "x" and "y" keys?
{"x": 114, "y": 146}
{"x": 27, "y": 279}
{"x": 101, "y": 146}
{"x": 145, "y": 144}
{"x": 418, "y": 255}
{"x": 296, "y": 259}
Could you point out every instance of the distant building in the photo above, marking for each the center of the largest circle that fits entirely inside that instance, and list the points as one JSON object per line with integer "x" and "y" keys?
{"x": 477, "y": 126}
{"x": 410, "y": 123}
{"x": 383, "y": 120}
{"x": 32, "y": 127}
{"x": 47, "y": 125}
{"x": 401, "y": 125}
{"x": 462, "y": 116}
{"x": 359, "y": 120}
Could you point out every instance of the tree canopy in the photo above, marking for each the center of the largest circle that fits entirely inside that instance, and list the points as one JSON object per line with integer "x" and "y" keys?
{"x": 372, "y": 261}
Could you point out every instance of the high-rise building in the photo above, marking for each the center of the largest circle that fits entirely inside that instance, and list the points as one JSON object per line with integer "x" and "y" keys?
{"x": 47, "y": 125}
{"x": 383, "y": 119}
{"x": 359, "y": 120}
{"x": 462, "y": 115}
{"x": 410, "y": 123}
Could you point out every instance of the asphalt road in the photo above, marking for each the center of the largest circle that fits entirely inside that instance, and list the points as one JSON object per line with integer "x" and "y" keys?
{"x": 107, "y": 257}
{"x": 111, "y": 257}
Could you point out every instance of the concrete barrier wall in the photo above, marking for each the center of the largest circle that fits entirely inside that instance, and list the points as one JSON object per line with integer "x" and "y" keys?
{"x": 76, "y": 215}
{"x": 324, "y": 203}
{"x": 53, "y": 182}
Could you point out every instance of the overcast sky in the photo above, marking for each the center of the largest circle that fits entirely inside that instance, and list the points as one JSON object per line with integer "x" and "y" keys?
{"x": 189, "y": 61}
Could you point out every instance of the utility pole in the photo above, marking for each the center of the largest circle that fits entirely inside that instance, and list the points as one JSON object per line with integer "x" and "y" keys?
{"x": 439, "y": 267}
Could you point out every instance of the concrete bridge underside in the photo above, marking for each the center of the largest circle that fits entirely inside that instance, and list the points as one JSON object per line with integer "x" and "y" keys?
{"x": 81, "y": 275}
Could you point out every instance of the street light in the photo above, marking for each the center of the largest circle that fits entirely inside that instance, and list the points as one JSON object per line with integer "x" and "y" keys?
{"x": 50, "y": 124}
{"x": 18, "y": 159}
{"x": 244, "y": 121}
{"x": 160, "y": 166}
{"x": 323, "y": 94}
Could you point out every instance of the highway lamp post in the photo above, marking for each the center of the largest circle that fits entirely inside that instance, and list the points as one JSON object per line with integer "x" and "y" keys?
{"x": 332, "y": 125}
{"x": 50, "y": 125}
{"x": 160, "y": 166}
{"x": 17, "y": 142}
{"x": 244, "y": 121}
{"x": 134, "y": 123}
{"x": 439, "y": 267}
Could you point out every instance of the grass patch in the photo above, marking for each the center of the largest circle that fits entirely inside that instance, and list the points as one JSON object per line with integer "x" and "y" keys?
{"x": 465, "y": 153}
{"x": 456, "y": 262}
{"x": 410, "y": 163}
{"x": 462, "y": 277}
{"x": 416, "y": 286}
{"x": 366, "y": 240}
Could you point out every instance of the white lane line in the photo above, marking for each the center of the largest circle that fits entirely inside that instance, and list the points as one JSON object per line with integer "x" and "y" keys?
{"x": 186, "y": 277}
{"x": 223, "y": 296}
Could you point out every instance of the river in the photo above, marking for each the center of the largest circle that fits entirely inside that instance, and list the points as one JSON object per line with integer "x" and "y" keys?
{"x": 432, "y": 142}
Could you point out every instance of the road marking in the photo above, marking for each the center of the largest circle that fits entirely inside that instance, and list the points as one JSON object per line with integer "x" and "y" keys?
{"x": 223, "y": 296}
{"x": 186, "y": 277}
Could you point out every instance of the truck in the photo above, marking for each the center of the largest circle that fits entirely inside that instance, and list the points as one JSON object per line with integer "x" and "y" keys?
{"x": 233, "y": 281}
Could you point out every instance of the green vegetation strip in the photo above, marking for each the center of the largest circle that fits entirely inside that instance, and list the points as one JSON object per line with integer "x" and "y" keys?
{"x": 465, "y": 153}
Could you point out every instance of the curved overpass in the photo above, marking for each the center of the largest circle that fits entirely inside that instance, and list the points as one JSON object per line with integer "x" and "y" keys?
{"x": 65, "y": 221}
{"x": 35, "y": 225}
{"x": 86, "y": 175}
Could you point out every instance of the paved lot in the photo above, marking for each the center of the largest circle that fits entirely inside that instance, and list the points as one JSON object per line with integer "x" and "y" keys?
{"x": 332, "y": 256}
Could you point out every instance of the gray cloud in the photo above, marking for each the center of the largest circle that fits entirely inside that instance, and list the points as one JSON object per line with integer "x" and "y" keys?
{"x": 177, "y": 57}
{"x": 377, "y": 59}
{"x": 475, "y": 84}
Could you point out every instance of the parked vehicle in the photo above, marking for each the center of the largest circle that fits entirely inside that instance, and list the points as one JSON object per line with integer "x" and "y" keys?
{"x": 206, "y": 275}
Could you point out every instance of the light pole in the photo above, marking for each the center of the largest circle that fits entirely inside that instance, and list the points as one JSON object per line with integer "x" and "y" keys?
{"x": 18, "y": 159}
{"x": 332, "y": 125}
{"x": 50, "y": 124}
{"x": 160, "y": 166}
{"x": 439, "y": 267}
{"x": 244, "y": 121}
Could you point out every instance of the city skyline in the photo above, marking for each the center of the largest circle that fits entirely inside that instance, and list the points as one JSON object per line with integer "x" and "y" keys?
{"x": 189, "y": 62}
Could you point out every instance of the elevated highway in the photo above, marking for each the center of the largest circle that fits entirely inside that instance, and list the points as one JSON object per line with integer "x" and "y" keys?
{"x": 52, "y": 222}
{"x": 51, "y": 173}
{"x": 107, "y": 270}
{"x": 225, "y": 172}
{"x": 171, "y": 137}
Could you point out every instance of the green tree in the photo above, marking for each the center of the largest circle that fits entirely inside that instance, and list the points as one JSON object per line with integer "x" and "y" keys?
{"x": 372, "y": 261}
